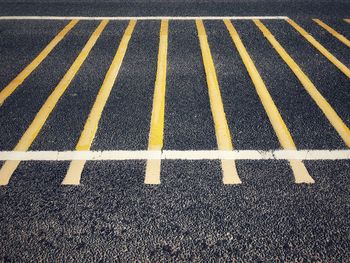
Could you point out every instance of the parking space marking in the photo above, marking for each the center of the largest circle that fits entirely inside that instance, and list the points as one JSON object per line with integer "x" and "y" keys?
{"x": 301, "y": 174}
{"x": 17, "y": 81}
{"x": 330, "y": 30}
{"x": 155, "y": 153}
{"x": 222, "y": 132}
{"x": 320, "y": 48}
{"x": 322, "y": 103}
{"x": 88, "y": 134}
{"x": 121, "y": 155}
{"x": 156, "y": 133}
{"x": 32, "y": 132}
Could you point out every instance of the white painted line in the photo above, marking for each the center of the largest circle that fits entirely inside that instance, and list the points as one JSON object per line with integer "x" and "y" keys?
{"x": 140, "y": 17}
{"x": 175, "y": 155}
{"x": 217, "y": 155}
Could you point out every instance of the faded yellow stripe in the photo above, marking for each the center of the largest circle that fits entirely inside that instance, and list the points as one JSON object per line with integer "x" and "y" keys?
{"x": 334, "y": 33}
{"x": 87, "y": 136}
{"x": 155, "y": 141}
{"x": 347, "y": 20}
{"x": 74, "y": 172}
{"x": 222, "y": 131}
{"x": 322, "y": 103}
{"x": 301, "y": 175}
{"x": 41, "y": 117}
{"x": 320, "y": 48}
{"x": 152, "y": 175}
{"x": 13, "y": 85}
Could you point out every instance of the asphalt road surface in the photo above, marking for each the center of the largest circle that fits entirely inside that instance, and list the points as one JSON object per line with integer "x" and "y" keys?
{"x": 106, "y": 89}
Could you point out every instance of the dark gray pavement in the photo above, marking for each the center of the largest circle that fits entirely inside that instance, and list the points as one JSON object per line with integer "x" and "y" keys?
{"x": 324, "y": 8}
{"x": 191, "y": 217}
{"x": 128, "y": 130}
{"x": 189, "y": 124}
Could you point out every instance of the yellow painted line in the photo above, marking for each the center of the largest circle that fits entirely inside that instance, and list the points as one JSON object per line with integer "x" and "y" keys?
{"x": 334, "y": 33}
{"x": 32, "y": 132}
{"x": 347, "y": 20}
{"x": 155, "y": 141}
{"x": 87, "y": 136}
{"x": 322, "y": 103}
{"x": 301, "y": 175}
{"x": 13, "y": 85}
{"x": 223, "y": 137}
{"x": 320, "y": 48}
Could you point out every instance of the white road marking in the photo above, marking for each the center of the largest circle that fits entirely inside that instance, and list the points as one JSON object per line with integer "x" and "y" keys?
{"x": 176, "y": 155}
{"x": 140, "y": 17}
